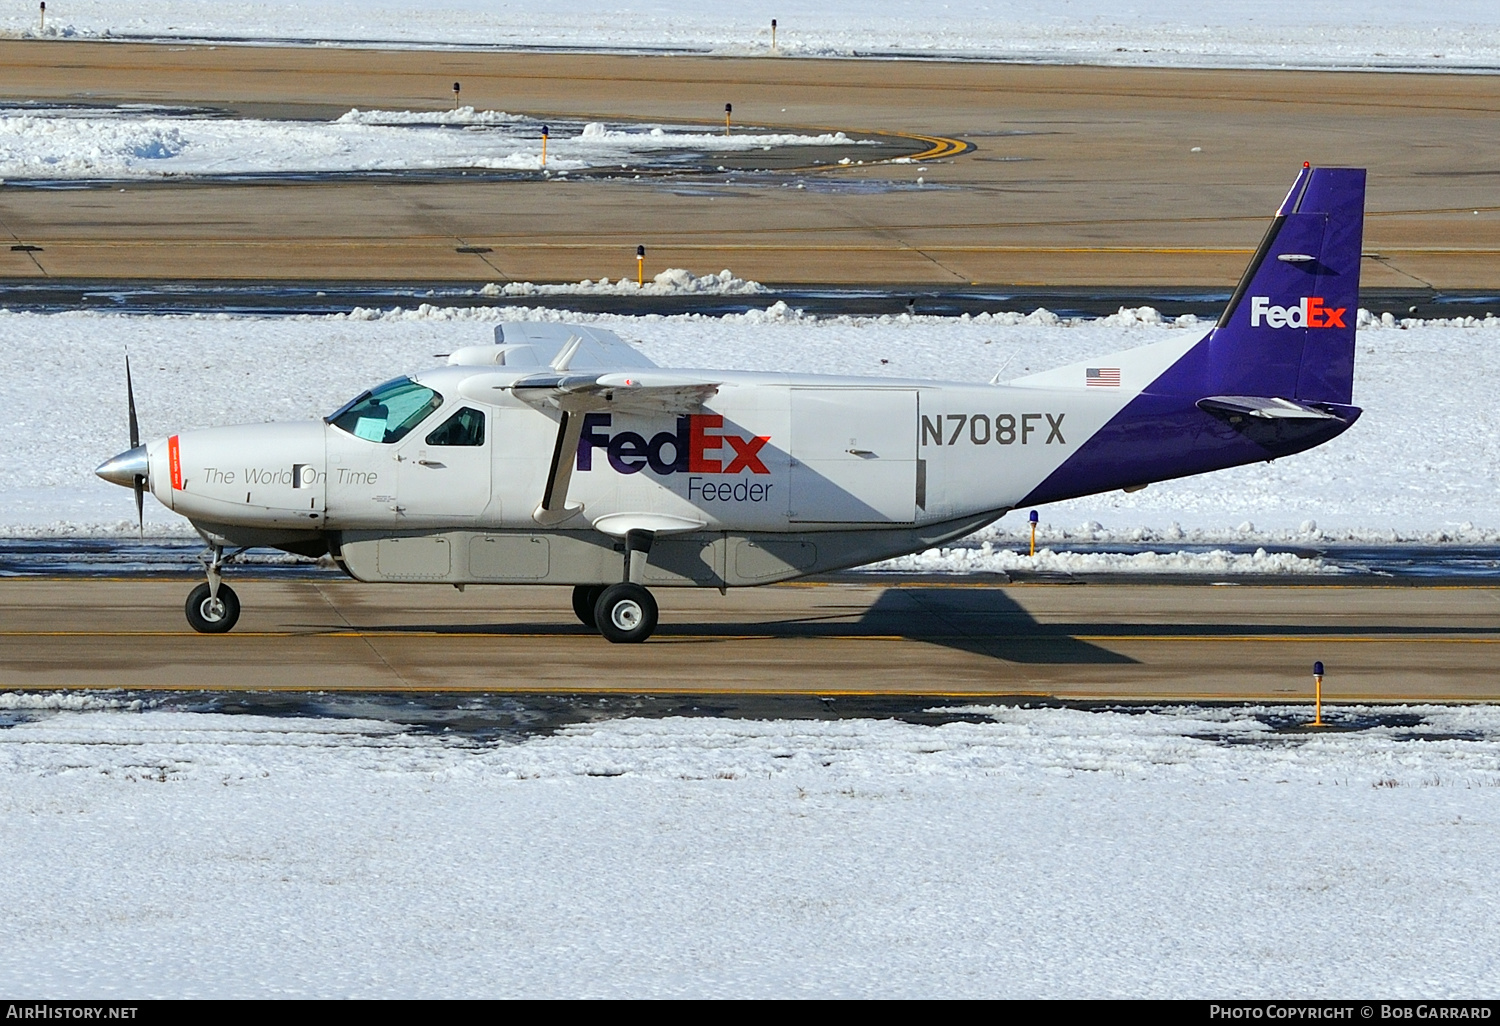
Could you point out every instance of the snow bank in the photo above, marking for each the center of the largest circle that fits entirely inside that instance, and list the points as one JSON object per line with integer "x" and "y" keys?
{"x": 1457, "y": 34}
{"x": 137, "y": 141}
{"x": 1030, "y": 853}
{"x": 985, "y": 558}
{"x": 672, "y": 282}
{"x": 51, "y": 701}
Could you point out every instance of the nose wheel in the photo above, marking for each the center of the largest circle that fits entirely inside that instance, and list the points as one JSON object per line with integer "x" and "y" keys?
{"x": 213, "y": 607}
{"x": 625, "y": 613}
{"x": 212, "y": 614}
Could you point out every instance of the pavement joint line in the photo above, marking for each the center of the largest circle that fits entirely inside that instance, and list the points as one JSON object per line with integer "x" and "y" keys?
{"x": 668, "y": 638}
{"x": 370, "y": 645}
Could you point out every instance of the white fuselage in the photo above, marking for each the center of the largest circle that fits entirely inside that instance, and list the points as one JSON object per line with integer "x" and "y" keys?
{"x": 768, "y": 453}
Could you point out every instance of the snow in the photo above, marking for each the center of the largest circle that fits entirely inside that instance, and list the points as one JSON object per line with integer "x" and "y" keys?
{"x": 675, "y": 281}
{"x": 145, "y": 142}
{"x": 1421, "y": 465}
{"x": 981, "y": 556}
{"x": 1179, "y": 852}
{"x": 1457, "y": 34}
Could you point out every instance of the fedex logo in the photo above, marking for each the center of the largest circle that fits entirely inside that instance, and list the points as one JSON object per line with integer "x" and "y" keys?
{"x": 1310, "y": 313}
{"x": 697, "y": 446}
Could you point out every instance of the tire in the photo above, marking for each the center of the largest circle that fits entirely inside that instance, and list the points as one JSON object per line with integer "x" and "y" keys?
{"x": 208, "y": 617}
{"x": 625, "y": 613}
{"x": 585, "y": 597}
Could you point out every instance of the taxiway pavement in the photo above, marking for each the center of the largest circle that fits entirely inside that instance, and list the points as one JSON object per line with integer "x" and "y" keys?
{"x": 1085, "y": 642}
{"x": 1123, "y": 177}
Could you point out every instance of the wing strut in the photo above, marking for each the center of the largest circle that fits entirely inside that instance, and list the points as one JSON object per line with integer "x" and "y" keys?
{"x": 554, "y": 508}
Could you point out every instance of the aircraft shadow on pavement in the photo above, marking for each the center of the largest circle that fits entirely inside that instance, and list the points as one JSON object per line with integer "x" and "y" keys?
{"x": 982, "y": 621}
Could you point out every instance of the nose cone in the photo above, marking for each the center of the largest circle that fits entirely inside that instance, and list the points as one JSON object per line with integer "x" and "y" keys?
{"x": 126, "y": 467}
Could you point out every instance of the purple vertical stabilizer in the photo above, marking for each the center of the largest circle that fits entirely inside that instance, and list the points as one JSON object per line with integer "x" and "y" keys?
{"x": 1289, "y": 330}
{"x": 1276, "y": 374}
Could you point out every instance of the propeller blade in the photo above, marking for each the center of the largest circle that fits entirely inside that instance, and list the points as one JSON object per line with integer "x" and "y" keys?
{"x": 135, "y": 441}
{"x": 135, "y": 426}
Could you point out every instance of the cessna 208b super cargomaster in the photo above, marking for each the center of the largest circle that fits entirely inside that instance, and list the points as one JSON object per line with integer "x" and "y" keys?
{"x": 561, "y": 455}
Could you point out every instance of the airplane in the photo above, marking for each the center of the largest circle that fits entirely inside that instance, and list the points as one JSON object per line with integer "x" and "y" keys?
{"x": 560, "y": 454}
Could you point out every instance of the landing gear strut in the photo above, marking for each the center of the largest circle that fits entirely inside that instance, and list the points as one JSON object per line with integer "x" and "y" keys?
{"x": 626, "y": 612}
{"x": 213, "y": 608}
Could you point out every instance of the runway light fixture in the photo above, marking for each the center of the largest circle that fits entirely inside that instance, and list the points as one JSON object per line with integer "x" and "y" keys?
{"x": 455, "y": 95}
{"x": 1318, "y": 695}
{"x": 773, "y": 34}
{"x": 728, "y": 110}
{"x": 1034, "y": 518}
{"x": 44, "y": 17}
{"x": 544, "y": 146}
{"x": 640, "y": 266}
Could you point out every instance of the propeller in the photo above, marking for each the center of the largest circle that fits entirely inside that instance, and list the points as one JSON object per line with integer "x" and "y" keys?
{"x": 130, "y": 469}
{"x": 135, "y": 441}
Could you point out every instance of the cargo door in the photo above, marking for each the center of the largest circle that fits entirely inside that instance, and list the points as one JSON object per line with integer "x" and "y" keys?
{"x": 854, "y": 456}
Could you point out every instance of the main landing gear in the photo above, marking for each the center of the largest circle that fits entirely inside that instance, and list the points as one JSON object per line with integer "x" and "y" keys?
{"x": 213, "y": 608}
{"x": 623, "y": 613}
{"x": 626, "y": 612}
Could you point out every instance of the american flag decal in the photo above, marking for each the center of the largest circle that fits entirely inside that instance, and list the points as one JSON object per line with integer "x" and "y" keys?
{"x": 1106, "y": 377}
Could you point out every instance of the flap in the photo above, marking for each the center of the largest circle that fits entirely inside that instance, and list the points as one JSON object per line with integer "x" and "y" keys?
{"x": 621, "y": 391}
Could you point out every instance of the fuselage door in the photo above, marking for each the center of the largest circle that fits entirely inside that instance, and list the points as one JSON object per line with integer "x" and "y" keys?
{"x": 854, "y": 455}
{"x": 443, "y": 468}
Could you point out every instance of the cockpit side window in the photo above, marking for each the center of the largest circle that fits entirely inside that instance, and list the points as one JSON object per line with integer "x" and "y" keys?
{"x": 387, "y": 412}
{"x": 466, "y": 427}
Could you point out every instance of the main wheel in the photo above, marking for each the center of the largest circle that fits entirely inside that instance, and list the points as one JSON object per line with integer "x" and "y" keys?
{"x": 208, "y": 615}
{"x": 625, "y": 613}
{"x": 585, "y": 597}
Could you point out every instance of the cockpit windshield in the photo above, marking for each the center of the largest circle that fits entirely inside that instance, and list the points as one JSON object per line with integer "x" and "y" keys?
{"x": 386, "y": 412}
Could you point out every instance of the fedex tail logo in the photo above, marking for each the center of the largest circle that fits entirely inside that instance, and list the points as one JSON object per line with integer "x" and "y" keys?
{"x": 697, "y": 446}
{"x": 1310, "y": 313}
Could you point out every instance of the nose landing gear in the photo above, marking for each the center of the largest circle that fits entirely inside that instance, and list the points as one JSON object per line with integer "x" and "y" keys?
{"x": 213, "y": 608}
{"x": 212, "y": 614}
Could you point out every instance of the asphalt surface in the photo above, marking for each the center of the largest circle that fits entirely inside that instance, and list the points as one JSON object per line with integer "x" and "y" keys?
{"x": 1088, "y": 641}
{"x": 1031, "y": 176}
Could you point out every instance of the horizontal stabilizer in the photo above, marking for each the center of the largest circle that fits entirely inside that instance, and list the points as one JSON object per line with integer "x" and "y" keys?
{"x": 1264, "y": 407}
